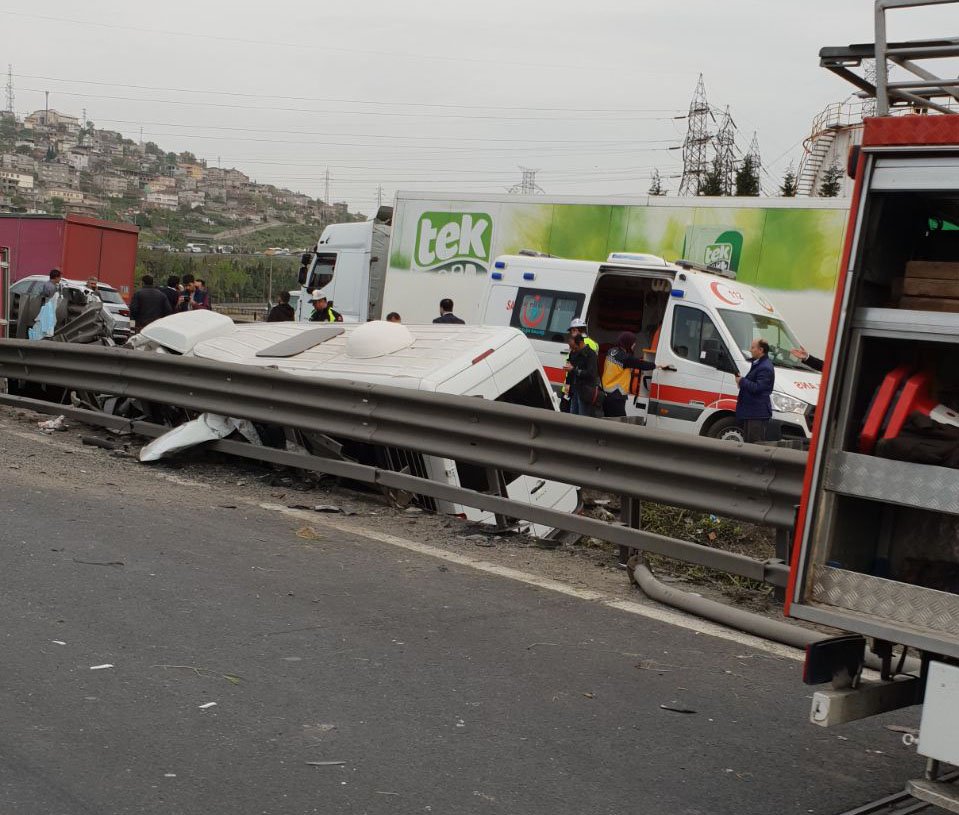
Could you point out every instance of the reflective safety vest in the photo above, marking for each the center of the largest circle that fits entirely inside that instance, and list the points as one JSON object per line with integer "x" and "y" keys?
{"x": 589, "y": 341}
{"x": 329, "y": 313}
{"x": 616, "y": 377}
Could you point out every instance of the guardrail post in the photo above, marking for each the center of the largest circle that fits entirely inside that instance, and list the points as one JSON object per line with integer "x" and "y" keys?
{"x": 783, "y": 543}
{"x": 497, "y": 486}
{"x": 630, "y": 514}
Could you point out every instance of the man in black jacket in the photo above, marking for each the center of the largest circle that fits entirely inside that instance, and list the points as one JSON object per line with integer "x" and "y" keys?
{"x": 172, "y": 290}
{"x": 583, "y": 369}
{"x": 446, "y": 313}
{"x": 282, "y": 312}
{"x": 148, "y": 304}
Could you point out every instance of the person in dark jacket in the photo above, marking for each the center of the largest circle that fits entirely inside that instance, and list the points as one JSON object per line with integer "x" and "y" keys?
{"x": 282, "y": 312}
{"x": 804, "y": 356}
{"x": 201, "y": 295}
{"x": 446, "y": 313}
{"x": 583, "y": 368}
{"x": 148, "y": 304}
{"x": 172, "y": 290}
{"x": 753, "y": 408}
{"x": 618, "y": 374}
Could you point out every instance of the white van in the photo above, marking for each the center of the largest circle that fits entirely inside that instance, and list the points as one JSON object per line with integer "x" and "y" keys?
{"x": 491, "y": 363}
{"x": 697, "y": 322}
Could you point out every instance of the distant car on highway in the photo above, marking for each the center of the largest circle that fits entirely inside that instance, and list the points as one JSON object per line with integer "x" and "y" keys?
{"x": 196, "y": 248}
{"x": 117, "y": 311}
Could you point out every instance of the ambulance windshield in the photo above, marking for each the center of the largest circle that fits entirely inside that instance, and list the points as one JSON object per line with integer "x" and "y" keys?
{"x": 746, "y": 327}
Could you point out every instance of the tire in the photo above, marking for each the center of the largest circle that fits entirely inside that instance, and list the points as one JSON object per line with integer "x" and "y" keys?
{"x": 727, "y": 429}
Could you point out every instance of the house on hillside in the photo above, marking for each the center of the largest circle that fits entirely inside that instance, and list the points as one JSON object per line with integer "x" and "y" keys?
{"x": 113, "y": 186}
{"x": 14, "y": 183}
{"x": 56, "y": 174}
{"x": 162, "y": 200}
{"x": 49, "y": 118}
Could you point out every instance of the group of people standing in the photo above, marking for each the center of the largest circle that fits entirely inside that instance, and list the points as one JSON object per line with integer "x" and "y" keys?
{"x": 590, "y": 394}
{"x": 150, "y": 303}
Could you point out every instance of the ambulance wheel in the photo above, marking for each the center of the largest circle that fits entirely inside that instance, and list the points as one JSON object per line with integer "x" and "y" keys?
{"x": 727, "y": 429}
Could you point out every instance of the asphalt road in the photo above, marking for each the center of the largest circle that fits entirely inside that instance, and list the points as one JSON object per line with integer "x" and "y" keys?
{"x": 440, "y": 688}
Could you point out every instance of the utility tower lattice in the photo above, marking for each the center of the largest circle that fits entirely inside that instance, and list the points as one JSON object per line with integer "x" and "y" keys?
{"x": 754, "y": 155}
{"x": 528, "y": 185}
{"x": 725, "y": 144}
{"x": 696, "y": 142}
{"x": 10, "y": 98}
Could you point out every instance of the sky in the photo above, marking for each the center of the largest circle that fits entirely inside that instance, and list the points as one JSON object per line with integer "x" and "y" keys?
{"x": 454, "y": 96}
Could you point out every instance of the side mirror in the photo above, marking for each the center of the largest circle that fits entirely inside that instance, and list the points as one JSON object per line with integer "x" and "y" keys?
{"x": 306, "y": 258}
{"x": 301, "y": 277}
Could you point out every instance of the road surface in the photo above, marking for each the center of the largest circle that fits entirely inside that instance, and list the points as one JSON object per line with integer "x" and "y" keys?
{"x": 257, "y": 670}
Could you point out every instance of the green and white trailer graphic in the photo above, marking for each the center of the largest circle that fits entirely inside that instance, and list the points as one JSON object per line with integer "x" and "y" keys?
{"x": 443, "y": 246}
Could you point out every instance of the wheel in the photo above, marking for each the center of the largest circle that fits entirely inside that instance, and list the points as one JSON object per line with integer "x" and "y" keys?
{"x": 727, "y": 429}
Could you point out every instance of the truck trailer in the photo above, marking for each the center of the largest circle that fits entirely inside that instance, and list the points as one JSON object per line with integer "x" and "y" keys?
{"x": 79, "y": 247}
{"x": 430, "y": 246}
{"x": 877, "y": 538}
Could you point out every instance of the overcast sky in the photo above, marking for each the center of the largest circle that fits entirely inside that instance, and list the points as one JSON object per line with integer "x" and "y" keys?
{"x": 452, "y": 96}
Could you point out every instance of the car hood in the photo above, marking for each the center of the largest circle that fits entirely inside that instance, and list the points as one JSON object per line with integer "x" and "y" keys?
{"x": 798, "y": 383}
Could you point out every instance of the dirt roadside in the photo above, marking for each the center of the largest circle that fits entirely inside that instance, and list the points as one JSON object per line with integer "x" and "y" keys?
{"x": 222, "y": 484}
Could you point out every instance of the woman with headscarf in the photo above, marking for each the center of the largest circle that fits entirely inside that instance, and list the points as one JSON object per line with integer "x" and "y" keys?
{"x": 618, "y": 374}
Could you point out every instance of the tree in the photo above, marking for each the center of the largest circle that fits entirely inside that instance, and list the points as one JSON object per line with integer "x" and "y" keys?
{"x": 712, "y": 183}
{"x": 56, "y": 205}
{"x": 656, "y": 184}
{"x": 747, "y": 177}
{"x": 788, "y": 188}
{"x": 830, "y": 186}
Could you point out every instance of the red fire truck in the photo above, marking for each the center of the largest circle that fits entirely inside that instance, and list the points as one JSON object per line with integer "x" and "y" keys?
{"x": 877, "y": 541}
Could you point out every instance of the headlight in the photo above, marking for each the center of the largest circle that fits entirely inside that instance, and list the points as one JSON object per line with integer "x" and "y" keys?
{"x": 787, "y": 404}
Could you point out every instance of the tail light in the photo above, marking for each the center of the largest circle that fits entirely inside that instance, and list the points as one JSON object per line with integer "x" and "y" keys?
{"x": 124, "y": 312}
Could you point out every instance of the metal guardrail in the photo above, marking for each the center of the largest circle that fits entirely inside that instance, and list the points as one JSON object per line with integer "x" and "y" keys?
{"x": 747, "y": 482}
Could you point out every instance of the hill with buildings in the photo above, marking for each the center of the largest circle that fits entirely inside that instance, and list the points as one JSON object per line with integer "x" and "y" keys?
{"x": 52, "y": 162}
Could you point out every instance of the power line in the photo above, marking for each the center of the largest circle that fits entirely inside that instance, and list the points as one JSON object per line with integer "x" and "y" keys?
{"x": 381, "y": 135}
{"x": 247, "y": 95}
{"x": 300, "y": 110}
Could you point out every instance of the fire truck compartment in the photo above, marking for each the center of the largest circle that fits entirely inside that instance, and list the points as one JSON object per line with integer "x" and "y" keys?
{"x": 883, "y": 533}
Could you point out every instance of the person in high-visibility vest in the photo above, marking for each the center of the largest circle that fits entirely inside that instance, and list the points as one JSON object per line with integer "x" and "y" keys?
{"x": 618, "y": 373}
{"x": 323, "y": 311}
{"x": 578, "y": 326}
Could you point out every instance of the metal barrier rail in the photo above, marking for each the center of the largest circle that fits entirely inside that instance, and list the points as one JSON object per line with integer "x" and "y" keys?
{"x": 748, "y": 482}
{"x": 774, "y": 572}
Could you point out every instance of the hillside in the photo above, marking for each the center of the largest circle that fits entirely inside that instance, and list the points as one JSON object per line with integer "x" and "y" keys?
{"x": 53, "y": 162}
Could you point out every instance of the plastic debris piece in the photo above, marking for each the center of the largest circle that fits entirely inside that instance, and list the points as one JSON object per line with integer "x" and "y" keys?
{"x": 326, "y": 508}
{"x": 100, "y": 667}
{"x": 325, "y": 763}
{"x": 207, "y": 705}
{"x": 52, "y": 425}
{"x": 677, "y": 709}
{"x": 58, "y": 642}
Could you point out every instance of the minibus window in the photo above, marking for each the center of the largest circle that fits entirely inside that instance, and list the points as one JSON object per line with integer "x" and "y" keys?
{"x": 546, "y": 315}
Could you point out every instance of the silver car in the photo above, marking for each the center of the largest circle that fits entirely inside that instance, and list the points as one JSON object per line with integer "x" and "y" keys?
{"x": 117, "y": 311}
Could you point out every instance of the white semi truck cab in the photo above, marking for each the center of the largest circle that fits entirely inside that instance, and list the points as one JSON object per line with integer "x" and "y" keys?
{"x": 348, "y": 266}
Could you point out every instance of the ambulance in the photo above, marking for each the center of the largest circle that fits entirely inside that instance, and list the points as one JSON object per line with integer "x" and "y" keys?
{"x": 695, "y": 322}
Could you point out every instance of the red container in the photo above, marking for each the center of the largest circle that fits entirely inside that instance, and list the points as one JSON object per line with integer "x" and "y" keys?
{"x": 79, "y": 247}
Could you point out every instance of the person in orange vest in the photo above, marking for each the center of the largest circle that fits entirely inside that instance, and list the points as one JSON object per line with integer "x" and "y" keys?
{"x": 618, "y": 373}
